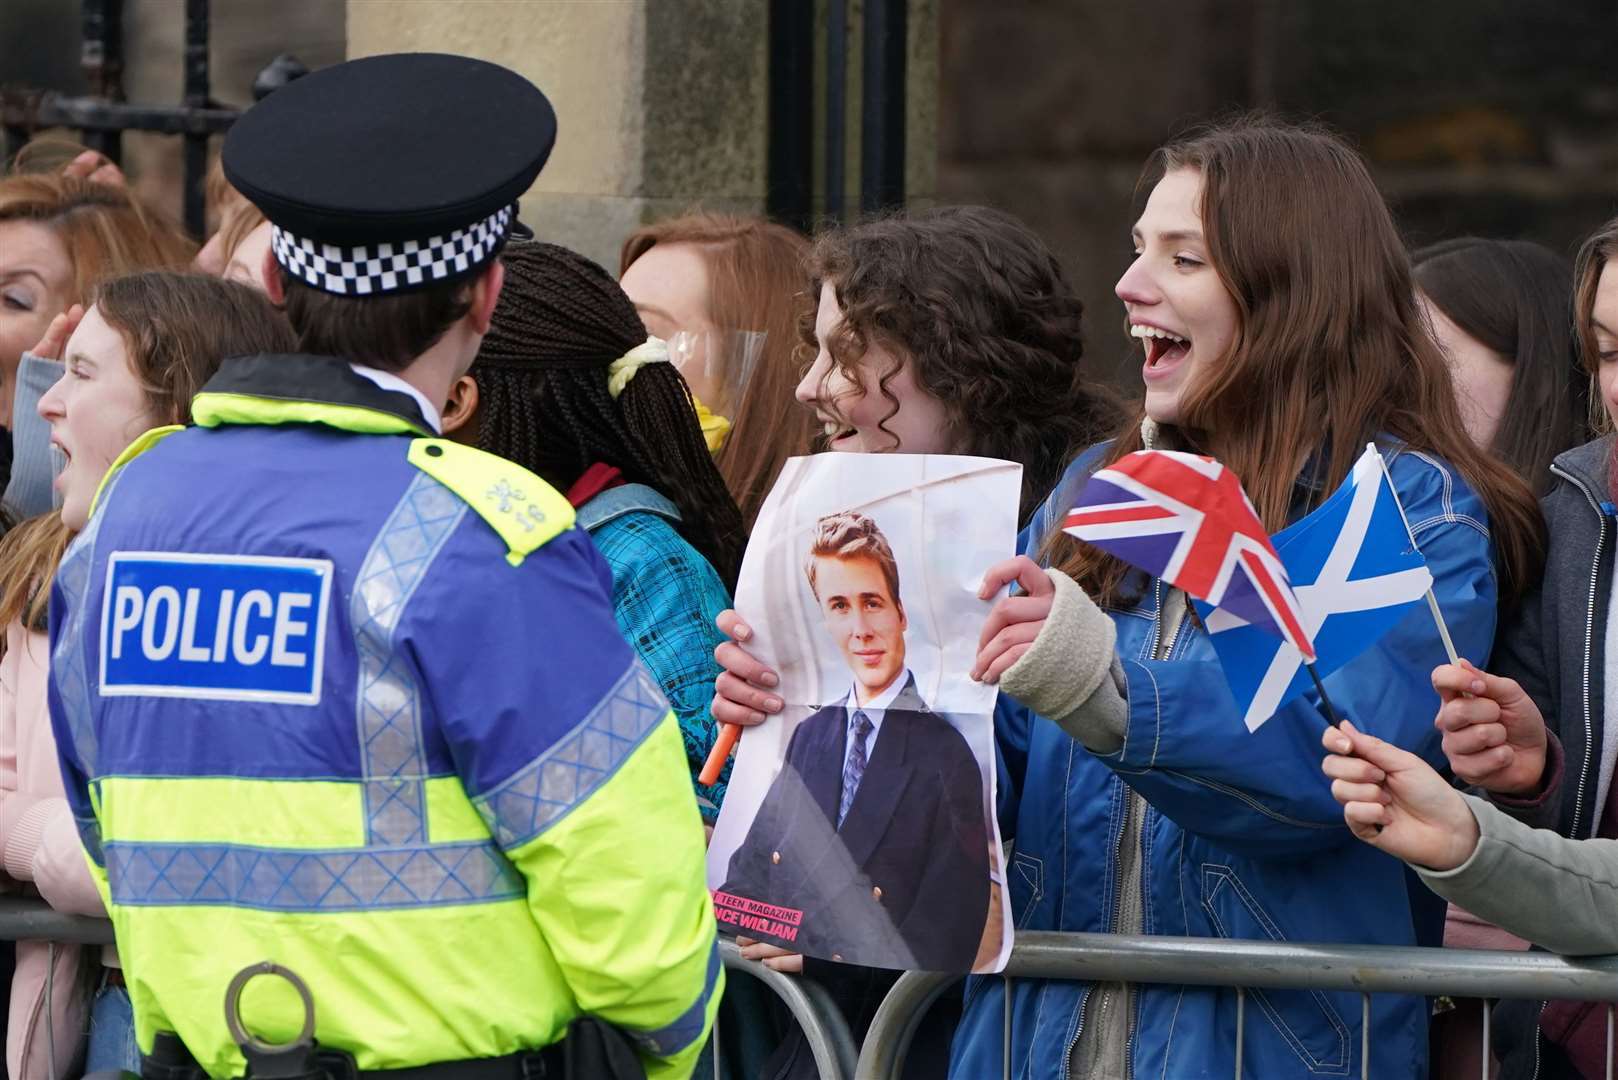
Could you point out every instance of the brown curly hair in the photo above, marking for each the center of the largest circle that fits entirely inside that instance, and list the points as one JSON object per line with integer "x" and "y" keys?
{"x": 982, "y": 310}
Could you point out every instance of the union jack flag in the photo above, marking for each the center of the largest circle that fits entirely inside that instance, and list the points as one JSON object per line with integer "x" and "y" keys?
{"x": 1185, "y": 519}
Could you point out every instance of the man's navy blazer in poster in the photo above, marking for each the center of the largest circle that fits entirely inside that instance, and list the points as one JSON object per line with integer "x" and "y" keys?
{"x": 905, "y": 882}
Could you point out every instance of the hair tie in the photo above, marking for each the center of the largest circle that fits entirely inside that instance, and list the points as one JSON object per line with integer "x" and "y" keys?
{"x": 651, "y": 351}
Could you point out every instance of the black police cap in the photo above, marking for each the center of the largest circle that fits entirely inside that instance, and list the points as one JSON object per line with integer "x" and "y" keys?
{"x": 393, "y": 172}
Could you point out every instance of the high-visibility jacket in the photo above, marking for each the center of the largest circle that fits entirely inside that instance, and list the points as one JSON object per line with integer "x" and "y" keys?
{"x": 338, "y": 694}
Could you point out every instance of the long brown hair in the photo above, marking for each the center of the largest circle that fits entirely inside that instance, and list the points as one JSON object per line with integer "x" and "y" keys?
{"x": 176, "y": 328}
{"x": 1516, "y": 298}
{"x": 1330, "y": 350}
{"x": 543, "y": 400}
{"x": 1593, "y": 257}
{"x": 992, "y": 328}
{"x": 756, "y": 281}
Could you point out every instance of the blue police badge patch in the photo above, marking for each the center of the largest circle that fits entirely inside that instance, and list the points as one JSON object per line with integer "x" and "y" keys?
{"x": 223, "y": 627}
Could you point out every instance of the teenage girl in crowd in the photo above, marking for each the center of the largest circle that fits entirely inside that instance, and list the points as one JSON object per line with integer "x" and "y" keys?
{"x": 945, "y": 331}
{"x": 1555, "y": 664}
{"x": 567, "y": 385}
{"x": 60, "y": 233}
{"x": 1502, "y": 311}
{"x": 719, "y": 274}
{"x": 133, "y": 363}
{"x": 1275, "y": 303}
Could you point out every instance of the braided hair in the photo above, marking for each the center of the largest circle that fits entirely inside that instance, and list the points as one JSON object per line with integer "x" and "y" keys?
{"x": 543, "y": 400}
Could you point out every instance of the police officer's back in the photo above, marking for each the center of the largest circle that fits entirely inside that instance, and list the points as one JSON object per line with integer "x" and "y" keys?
{"x": 338, "y": 694}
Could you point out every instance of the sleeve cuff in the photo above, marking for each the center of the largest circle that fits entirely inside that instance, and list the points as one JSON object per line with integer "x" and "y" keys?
{"x": 1467, "y": 867}
{"x": 1550, "y": 782}
{"x": 1069, "y": 658}
{"x": 23, "y": 837}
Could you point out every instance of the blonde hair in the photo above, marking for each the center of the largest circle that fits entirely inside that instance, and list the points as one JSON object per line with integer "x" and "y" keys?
{"x": 852, "y": 535}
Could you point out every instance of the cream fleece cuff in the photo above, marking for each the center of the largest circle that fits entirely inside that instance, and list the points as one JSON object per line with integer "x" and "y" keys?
{"x": 1069, "y": 658}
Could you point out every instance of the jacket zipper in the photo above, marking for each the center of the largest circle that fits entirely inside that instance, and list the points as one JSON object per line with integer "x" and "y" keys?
{"x": 1589, "y": 647}
{"x": 1589, "y": 724}
{"x": 1117, "y": 859}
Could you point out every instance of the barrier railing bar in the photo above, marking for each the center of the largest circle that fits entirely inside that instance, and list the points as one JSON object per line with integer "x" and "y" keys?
{"x": 902, "y": 1011}
{"x": 1241, "y": 1027}
{"x": 1365, "y": 1036}
{"x": 23, "y": 919}
{"x": 1005, "y": 1026}
{"x": 1609, "y": 1042}
{"x": 1365, "y": 969}
{"x": 811, "y": 1006}
{"x": 1488, "y": 1043}
{"x": 1287, "y": 965}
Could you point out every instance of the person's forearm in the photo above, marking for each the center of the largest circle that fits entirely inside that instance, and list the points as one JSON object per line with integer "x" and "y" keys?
{"x": 1102, "y": 721}
{"x": 1071, "y": 673}
{"x": 1514, "y": 867}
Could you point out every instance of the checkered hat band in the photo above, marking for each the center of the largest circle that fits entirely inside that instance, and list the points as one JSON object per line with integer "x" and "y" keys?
{"x": 377, "y": 269}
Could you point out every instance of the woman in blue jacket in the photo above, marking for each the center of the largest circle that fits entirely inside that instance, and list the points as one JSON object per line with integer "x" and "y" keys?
{"x": 568, "y": 385}
{"x": 1274, "y": 300}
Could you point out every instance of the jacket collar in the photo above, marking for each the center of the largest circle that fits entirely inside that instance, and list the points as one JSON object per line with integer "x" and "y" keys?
{"x": 296, "y": 388}
{"x": 1590, "y": 465}
{"x": 615, "y": 502}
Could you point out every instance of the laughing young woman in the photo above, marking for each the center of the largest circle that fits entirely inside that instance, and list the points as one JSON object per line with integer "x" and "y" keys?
{"x": 1274, "y": 301}
{"x": 1281, "y": 334}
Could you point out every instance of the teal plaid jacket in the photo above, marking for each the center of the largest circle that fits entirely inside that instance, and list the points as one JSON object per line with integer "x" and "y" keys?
{"x": 665, "y": 597}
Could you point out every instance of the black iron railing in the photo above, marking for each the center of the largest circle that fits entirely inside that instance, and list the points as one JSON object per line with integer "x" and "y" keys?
{"x": 103, "y": 115}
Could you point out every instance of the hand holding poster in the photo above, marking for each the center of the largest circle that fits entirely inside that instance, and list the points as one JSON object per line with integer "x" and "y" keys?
{"x": 859, "y": 824}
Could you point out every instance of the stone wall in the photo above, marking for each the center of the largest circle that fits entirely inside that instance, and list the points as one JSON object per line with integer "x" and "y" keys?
{"x": 660, "y": 106}
{"x": 1492, "y": 117}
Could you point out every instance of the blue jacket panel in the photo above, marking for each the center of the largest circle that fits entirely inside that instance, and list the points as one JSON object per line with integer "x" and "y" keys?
{"x": 1242, "y": 838}
{"x": 403, "y": 687}
{"x": 665, "y": 596}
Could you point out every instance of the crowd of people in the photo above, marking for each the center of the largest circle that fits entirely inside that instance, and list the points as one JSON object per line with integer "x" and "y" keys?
{"x": 492, "y": 503}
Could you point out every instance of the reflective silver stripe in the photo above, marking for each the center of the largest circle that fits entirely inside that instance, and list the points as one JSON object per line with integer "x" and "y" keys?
{"x": 286, "y": 879}
{"x": 388, "y": 704}
{"x": 542, "y": 792}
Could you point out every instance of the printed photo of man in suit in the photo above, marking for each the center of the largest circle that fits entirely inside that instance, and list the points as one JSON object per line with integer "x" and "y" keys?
{"x": 875, "y": 826}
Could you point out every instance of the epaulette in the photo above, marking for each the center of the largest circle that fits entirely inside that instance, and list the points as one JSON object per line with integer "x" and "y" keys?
{"x": 524, "y": 510}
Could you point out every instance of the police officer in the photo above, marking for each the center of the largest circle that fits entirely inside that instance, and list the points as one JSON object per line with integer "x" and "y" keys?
{"x": 334, "y": 692}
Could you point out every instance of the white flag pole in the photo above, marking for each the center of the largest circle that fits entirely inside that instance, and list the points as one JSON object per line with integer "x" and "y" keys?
{"x": 1432, "y": 601}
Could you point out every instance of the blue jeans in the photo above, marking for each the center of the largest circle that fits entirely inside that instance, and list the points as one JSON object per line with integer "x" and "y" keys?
{"x": 112, "y": 1032}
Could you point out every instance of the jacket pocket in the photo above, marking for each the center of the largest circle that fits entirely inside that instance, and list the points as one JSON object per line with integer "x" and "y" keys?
{"x": 1305, "y": 1020}
{"x": 1027, "y": 884}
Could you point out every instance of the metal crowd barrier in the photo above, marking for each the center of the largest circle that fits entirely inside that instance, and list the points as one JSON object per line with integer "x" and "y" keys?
{"x": 1245, "y": 965}
{"x": 827, "y": 1032}
{"x": 23, "y": 919}
{"x": 811, "y": 1006}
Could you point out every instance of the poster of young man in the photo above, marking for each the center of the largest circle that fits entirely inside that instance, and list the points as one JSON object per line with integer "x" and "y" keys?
{"x": 859, "y": 825}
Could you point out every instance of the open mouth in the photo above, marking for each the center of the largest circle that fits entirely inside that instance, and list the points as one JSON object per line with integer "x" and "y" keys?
{"x": 836, "y": 430}
{"x": 1163, "y": 348}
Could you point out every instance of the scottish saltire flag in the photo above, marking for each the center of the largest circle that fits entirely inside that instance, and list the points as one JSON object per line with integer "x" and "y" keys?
{"x": 1185, "y": 519}
{"x": 1356, "y": 572}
